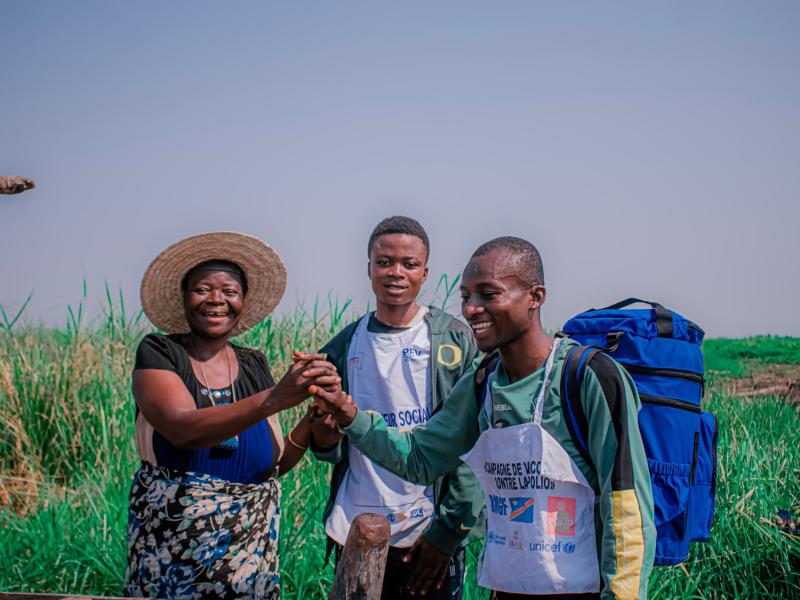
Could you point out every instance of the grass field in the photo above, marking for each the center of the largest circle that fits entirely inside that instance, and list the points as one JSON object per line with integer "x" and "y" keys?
{"x": 67, "y": 455}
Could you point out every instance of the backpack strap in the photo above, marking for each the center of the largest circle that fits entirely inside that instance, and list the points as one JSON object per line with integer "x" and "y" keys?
{"x": 574, "y": 415}
{"x": 485, "y": 368}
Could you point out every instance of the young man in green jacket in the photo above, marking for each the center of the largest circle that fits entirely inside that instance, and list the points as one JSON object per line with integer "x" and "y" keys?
{"x": 402, "y": 361}
{"x": 558, "y": 525}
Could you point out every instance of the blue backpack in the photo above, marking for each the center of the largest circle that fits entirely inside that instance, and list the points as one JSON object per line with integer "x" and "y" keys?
{"x": 661, "y": 351}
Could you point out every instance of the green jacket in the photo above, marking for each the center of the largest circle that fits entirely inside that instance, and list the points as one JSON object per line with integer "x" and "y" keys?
{"x": 458, "y": 517}
{"x": 625, "y": 531}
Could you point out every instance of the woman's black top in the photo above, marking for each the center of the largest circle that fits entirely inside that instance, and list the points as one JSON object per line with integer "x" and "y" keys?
{"x": 252, "y": 460}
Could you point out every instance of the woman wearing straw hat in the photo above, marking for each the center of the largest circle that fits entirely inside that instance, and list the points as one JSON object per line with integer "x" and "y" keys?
{"x": 204, "y": 506}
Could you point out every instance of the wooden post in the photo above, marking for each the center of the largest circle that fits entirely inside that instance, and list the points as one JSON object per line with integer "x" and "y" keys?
{"x": 359, "y": 572}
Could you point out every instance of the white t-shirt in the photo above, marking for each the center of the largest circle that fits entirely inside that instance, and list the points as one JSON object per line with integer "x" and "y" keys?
{"x": 387, "y": 373}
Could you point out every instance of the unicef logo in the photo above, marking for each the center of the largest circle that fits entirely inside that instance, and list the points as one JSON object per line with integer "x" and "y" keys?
{"x": 490, "y": 537}
{"x": 569, "y": 547}
{"x": 391, "y": 518}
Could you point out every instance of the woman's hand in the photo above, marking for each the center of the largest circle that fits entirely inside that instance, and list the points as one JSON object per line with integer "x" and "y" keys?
{"x": 293, "y": 388}
{"x": 324, "y": 431}
{"x": 337, "y": 402}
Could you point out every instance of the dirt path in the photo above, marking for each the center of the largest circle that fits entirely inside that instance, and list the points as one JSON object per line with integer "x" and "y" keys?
{"x": 766, "y": 380}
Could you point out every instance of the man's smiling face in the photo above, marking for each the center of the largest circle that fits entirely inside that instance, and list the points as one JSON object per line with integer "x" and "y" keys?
{"x": 397, "y": 268}
{"x": 495, "y": 301}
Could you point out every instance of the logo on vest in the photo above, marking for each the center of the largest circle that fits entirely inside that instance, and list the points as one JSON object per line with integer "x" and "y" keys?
{"x": 496, "y": 539}
{"x": 355, "y": 361}
{"x": 554, "y": 548}
{"x": 560, "y": 516}
{"x": 412, "y": 354}
{"x": 396, "y": 517}
{"x": 499, "y": 506}
{"x": 399, "y": 517}
{"x": 416, "y": 513}
{"x": 516, "y": 540}
{"x": 448, "y": 355}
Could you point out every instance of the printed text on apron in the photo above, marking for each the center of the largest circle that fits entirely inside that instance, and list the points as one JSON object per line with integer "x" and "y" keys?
{"x": 540, "y": 535}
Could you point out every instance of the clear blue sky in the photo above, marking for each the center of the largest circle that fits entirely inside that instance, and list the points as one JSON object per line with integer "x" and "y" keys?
{"x": 646, "y": 149}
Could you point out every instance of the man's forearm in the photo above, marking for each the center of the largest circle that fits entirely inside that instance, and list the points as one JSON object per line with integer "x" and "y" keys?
{"x": 420, "y": 455}
{"x": 405, "y": 453}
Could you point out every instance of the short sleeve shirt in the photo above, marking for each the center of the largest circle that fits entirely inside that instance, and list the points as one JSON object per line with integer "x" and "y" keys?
{"x": 252, "y": 460}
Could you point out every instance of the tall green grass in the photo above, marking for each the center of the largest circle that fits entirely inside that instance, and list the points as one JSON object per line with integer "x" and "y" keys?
{"x": 738, "y": 357}
{"x": 67, "y": 455}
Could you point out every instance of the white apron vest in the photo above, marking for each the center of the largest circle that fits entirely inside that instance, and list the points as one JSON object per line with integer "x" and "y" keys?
{"x": 387, "y": 373}
{"x": 540, "y": 536}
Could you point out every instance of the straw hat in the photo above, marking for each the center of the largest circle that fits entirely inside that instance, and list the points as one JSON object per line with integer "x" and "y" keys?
{"x": 162, "y": 298}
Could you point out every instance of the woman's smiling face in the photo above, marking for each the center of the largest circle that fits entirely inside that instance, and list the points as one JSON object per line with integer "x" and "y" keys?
{"x": 213, "y": 302}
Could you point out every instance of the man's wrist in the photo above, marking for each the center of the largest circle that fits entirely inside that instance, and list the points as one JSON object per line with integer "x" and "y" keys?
{"x": 345, "y": 418}
{"x": 318, "y": 446}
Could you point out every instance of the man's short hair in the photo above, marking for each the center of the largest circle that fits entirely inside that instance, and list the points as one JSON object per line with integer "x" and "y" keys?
{"x": 526, "y": 258}
{"x": 398, "y": 224}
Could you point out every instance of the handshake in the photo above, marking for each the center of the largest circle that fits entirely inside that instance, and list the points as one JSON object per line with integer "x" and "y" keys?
{"x": 332, "y": 407}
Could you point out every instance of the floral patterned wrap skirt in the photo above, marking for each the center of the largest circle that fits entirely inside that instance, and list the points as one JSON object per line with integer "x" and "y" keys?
{"x": 192, "y": 535}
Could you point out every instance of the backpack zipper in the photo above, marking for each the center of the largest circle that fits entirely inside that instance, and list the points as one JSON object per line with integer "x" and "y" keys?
{"x": 671, "y": 402}
{"x": 677, "y": 373}
{"x": 694, "y": 455}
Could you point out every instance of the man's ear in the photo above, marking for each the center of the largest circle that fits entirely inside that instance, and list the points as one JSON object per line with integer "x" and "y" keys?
{"x": 369, "y": 270}
{"x": 538, "y": 295}
{"x": 425, "y": 276}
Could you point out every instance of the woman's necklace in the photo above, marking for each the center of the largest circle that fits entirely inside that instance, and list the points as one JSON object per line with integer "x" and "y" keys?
{"x": 205, "y": 379}
{"x": 230, "y": 443}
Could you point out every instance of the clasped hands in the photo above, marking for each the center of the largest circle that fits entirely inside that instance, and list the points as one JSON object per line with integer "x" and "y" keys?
{"x": 333, "y": 405}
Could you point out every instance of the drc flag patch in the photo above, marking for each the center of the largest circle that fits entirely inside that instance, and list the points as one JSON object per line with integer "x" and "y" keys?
{"x": 521, "y": 510}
